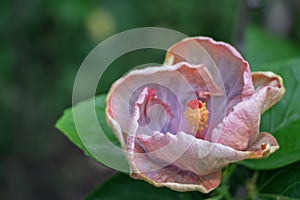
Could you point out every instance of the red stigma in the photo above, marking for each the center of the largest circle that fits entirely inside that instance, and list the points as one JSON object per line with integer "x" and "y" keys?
{"x": 195, "y": 103}
{"x": 263, "y": 146}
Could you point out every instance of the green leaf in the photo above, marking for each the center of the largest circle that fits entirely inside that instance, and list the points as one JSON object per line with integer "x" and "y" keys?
{"x": 261, "y": 47}
{"x": 104, "y": 148}
{"x": 283, "y": 183}
{"x": 67, "y": 126}
{"x": 283, "y": 120}
{"x": 123, "y": 187}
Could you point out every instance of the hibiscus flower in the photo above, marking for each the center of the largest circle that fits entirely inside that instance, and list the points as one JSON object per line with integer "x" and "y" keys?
{"x": 180, "y": 123}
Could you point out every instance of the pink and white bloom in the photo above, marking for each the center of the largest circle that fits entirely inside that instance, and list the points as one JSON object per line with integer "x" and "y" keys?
{"x": 180, "y": 123}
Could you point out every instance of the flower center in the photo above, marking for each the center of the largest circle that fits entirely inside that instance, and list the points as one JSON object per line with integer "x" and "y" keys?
{"x": 196, "y": 114}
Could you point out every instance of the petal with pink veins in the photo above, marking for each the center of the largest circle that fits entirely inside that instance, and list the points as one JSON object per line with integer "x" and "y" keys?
{"x": 242, "y": 124}
{"x": 165, "y": 159}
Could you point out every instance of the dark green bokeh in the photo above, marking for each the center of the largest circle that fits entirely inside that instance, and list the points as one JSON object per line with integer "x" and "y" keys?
{"x": 42, "y": 46}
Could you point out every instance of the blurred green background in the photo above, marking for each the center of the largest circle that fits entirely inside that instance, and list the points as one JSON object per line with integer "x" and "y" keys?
{"x": 43, "y": 44}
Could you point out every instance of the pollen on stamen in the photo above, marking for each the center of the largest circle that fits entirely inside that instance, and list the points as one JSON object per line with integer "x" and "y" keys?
{"x": 196, "y": 115}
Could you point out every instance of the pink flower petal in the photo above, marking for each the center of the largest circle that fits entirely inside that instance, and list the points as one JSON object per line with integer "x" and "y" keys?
{"x": 273, "y": 86}
{"x": 201, "y": 81}
{"x": 179, "y": 180}
{"x": 242, "y": 124}
{"x": 187, "y": 161}
{"x": 217, "y": 56}
{"x": 189, "y": 153}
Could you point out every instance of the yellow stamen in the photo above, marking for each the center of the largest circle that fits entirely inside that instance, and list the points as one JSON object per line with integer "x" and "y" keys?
{"x": 196, "y": 114}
